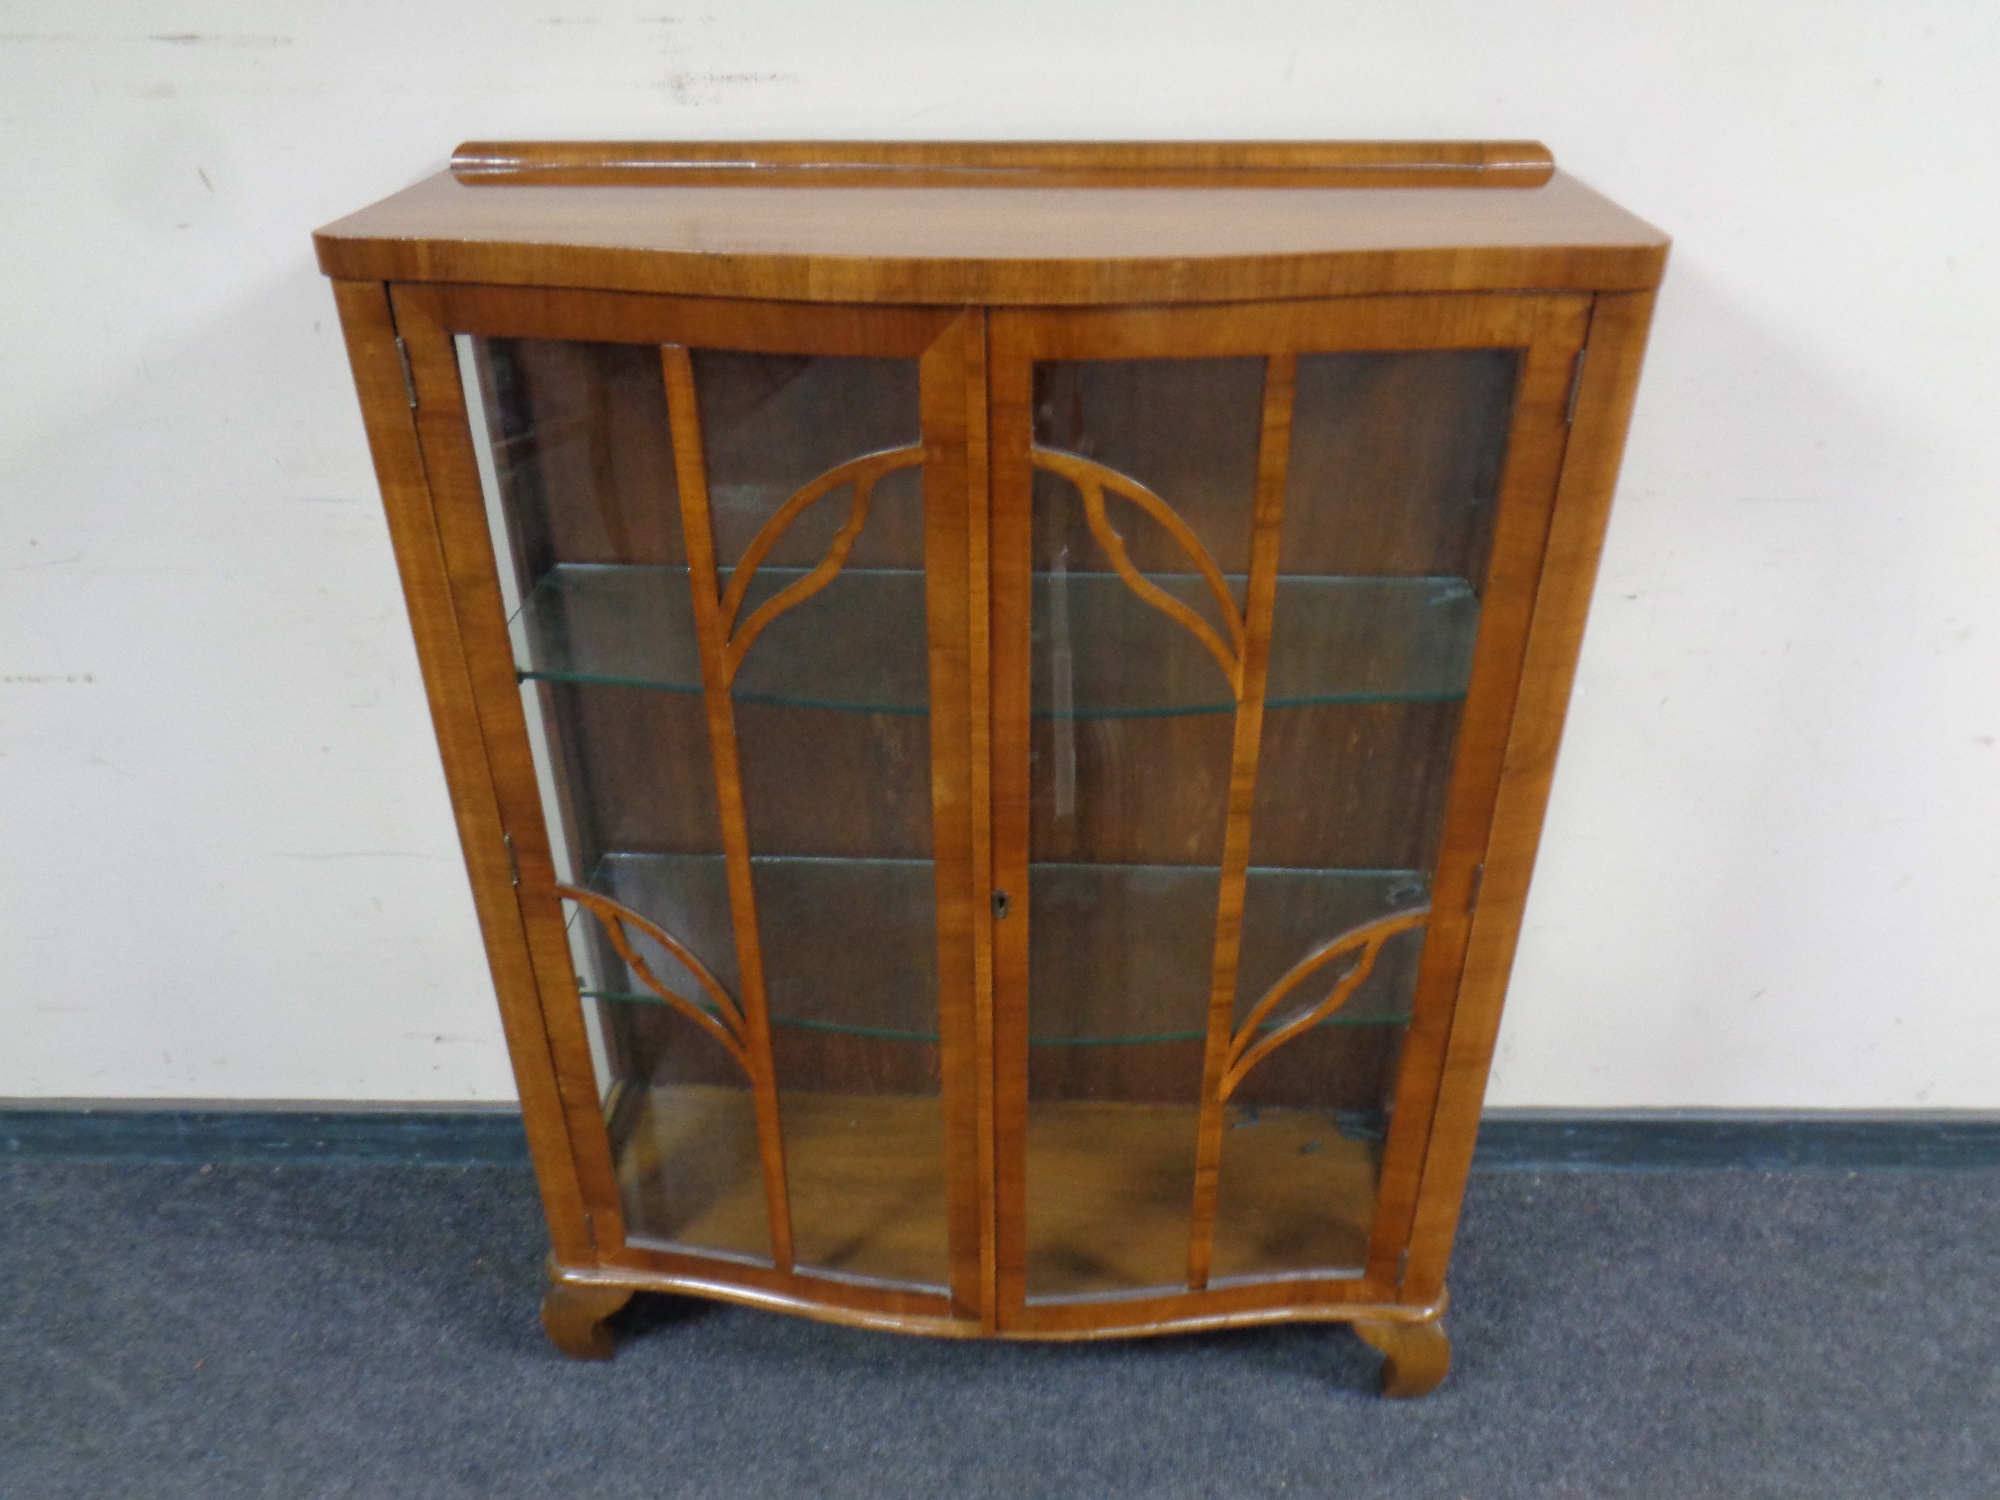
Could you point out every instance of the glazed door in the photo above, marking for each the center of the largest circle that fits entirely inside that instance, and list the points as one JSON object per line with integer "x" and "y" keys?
{"x": 1261, "y": 584}
{"x": 731, "y": 561}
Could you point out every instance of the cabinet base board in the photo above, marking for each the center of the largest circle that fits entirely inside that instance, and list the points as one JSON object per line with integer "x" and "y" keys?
{"x": 591, "y": 1289}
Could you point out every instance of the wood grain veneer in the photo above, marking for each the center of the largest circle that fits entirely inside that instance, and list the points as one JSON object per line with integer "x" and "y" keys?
{"x": 1477, "y": 321}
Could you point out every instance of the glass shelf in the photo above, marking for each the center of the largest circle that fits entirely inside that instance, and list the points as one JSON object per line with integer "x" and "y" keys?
{"x": 860, "y": 644}
{"x": 879, "y": 981}
{"x": 855, "y": 954}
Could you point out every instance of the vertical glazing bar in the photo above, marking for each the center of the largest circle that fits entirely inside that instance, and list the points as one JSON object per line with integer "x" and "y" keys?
{"x": 684, "y": 418}
{"x": 1273, "y": 454}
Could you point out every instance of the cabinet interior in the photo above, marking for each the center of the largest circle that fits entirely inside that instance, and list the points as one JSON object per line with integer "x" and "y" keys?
{"x": 1389, "y": 493}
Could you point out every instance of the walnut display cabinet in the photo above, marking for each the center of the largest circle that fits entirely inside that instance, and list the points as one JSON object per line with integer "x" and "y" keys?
{"x": 1000, "y": 699}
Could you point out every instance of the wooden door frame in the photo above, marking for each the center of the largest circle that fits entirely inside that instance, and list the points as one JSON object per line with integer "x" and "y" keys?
{"x": 526, "y": 943}
{"x": 1550, "y": 329}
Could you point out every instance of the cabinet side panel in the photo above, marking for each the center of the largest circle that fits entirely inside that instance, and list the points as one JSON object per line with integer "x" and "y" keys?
{"x": 1551, "y": 332}
{"x": 379, "y": 378}
{"x": 472, "y": 575}
{"x": 1603, "y": 409}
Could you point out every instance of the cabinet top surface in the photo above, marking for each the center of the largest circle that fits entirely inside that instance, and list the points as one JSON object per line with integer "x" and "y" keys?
{"x": 1000, "y": 245}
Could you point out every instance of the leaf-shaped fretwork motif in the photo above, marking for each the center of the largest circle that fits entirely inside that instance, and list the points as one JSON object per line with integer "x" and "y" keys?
{"x": 862, "y": 473}
{"x": 1369, "y": 938}
{"x": 724, "y": 1022}
{"x": 1091, "y": 481}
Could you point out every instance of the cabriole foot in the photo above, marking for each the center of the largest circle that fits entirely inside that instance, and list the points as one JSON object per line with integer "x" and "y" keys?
{"x": 573, "y": 1313}
{"x": 1419, "y": 1355}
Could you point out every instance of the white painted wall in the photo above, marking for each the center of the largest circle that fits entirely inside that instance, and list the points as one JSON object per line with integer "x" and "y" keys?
{"x": 1772, "y": 876}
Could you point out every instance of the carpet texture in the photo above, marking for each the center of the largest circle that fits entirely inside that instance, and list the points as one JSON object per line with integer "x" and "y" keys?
{"x": 307, "y": 1331}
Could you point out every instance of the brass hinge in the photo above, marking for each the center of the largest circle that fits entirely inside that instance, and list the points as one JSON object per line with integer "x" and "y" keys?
{"x": 590, "y": 1227}
{"x": 513, "y": 863}
{"x": 1569, "y": 412}
{"x": 409, "y": 379}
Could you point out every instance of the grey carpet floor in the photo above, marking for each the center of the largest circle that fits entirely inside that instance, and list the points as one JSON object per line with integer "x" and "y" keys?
{"x": 313, "y": 1331}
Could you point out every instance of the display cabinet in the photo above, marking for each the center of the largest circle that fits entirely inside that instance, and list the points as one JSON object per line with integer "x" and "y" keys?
{"x": 999, "y": 699}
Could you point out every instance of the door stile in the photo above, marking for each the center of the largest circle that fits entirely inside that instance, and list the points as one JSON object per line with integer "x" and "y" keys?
{"x": 949, "y": 419}
{"x": 1267, "y": 516}
{"x": 979, "y": 687}
{"x": 1010, "y": 435}
{"x": 717, "y": 672}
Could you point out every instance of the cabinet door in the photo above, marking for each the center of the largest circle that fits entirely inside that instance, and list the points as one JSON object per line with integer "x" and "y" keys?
{"x": 710, "y": 563}
{"x": 1261, "y": 579}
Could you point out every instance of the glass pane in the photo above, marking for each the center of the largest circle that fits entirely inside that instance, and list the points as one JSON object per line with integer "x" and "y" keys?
{"x": 1395, "y": 463}
{"x": 1391, "y": 484}
{"x": 831, "y": 705}
{"x": 832, "y": 748}
{"x": 1393, "y": 475}
{"x": 1130, "y": 749}
{"x": 578, "y": 470}
{"x": 773, "y": 423}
